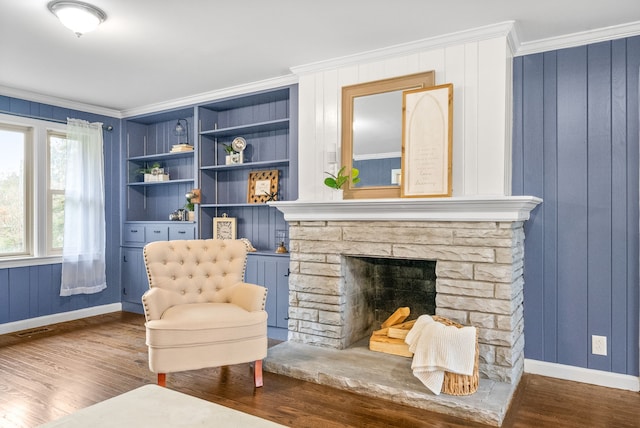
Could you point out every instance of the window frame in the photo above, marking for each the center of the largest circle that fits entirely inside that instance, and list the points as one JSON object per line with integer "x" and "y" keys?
{"x": 26, "y": 188}
{"x": 37, "y": 207}
{"x": 51, "y": 250}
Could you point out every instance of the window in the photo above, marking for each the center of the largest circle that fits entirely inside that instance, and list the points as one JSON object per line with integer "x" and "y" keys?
{"x": 14, "y": 190}
{"x": 57, "y": 160}
{"x": 32, "y": 177}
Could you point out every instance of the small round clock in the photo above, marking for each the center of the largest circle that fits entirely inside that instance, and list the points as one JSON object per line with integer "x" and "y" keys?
{"x": 239, "y": 144}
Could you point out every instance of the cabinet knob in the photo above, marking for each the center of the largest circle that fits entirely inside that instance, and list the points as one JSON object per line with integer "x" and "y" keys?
{"x": 288, "y": 273}
{"x": 134, "y": 230}
{"x": 156, "y": 231}
{"x": 182, "y": 232}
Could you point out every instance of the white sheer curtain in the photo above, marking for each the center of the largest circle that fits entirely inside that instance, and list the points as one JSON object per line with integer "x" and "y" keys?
{"x": 83, "y": 265}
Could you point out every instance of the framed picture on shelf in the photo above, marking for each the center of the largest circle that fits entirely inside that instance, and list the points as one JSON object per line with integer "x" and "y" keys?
{"x": 263, "y": 186}
{"x": 224, "y": 227}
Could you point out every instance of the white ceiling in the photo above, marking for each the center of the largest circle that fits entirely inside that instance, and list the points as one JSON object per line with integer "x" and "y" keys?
{"x": 153, "y": 51}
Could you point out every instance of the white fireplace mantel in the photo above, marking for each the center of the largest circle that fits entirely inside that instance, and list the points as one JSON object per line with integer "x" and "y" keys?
{"x": 498, "y": 208}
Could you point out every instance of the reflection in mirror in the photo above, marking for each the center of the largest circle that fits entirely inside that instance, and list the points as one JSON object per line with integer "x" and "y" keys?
{"x": 377, "y": 132}
{"x": 372, "y": 133}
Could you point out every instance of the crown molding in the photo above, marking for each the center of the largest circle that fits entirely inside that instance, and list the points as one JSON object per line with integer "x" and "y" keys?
{"x": 513, "y": 39}
{"x": 579, "y": 39}
{"x": 506, "y": 29}
{"x": 58, "y": 102}
{"x": 501, "y": 29}
{"x": 288, "y": 79}
{"x": 203, "y": 97}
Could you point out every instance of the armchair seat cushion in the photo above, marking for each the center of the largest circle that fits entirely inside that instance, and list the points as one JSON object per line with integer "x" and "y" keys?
{"x": 196, "y": 324}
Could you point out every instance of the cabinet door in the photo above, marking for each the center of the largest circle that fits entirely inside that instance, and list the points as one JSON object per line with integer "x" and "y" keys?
{"x": 282, "y": 292}
{"x": 272, "y": 273}
{"x": 134, "y": 276}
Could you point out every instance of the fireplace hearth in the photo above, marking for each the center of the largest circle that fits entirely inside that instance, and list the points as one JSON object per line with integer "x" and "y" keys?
{"x": 477, "y": 246}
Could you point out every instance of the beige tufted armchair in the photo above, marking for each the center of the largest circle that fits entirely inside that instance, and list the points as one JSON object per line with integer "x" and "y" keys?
{"x": 199, "y": 311}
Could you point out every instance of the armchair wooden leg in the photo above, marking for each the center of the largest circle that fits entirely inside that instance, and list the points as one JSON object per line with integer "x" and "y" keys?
{"x": 257, "y": 373}
{"x": 162, "y": 379}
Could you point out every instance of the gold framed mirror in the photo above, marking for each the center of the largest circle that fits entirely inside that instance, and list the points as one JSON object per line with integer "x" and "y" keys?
{"x": 372, "y": 133}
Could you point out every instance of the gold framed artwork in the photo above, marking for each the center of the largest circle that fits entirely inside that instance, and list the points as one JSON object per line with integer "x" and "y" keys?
{"x": 263, "y": 186}
{"x": 224, "y": 227}
{"x": 427, "y": 125}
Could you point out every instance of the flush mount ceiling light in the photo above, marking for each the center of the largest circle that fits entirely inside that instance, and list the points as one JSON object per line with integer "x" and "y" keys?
{"x": 77, "y": 16}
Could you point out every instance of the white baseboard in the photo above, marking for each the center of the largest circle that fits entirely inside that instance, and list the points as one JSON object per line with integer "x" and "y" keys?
{"x": 579, "y": 374}
{"x": 56, "y": 318}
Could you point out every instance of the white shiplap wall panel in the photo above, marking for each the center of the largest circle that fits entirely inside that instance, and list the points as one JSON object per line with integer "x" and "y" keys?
{"x": 307, "y": 168}
{"x": 469, "y": 125}
{"x": 454, "y": 72}
{"x": 478, "y": 71}
{"x": 372, "y": 71}
{"x": 331, "y": 104}
{"x": 492, "y": 96}
{"x": 434, "y": 60}
{"x": 331, "y": 125}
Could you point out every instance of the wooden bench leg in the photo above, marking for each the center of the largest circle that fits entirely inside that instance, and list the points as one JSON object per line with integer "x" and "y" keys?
{"x": 162, "y": 379}
{"x": 257, "y": 373}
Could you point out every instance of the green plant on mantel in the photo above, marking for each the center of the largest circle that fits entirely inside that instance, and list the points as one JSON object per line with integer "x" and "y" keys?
{"x": 340, "y": 179}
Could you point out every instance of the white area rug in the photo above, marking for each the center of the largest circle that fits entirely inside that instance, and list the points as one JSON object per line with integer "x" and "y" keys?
{"x": 158, "y": 407}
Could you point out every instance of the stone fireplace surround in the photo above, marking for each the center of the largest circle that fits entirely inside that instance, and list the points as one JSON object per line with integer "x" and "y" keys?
{"x": 478, "y": 246}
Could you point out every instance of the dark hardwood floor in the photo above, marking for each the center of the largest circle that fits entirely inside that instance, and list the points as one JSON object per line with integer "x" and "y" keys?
{"x": 76, "y": 364}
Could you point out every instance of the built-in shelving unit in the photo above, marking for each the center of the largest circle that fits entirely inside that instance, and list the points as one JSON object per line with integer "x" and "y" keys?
{"x": 147, "y": 205}
{"x": 267, "y": 120}
{"x": 149, "y": 140}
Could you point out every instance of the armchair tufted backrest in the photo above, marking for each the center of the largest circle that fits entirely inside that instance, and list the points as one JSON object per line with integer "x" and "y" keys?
{"x": 196, "y": 271}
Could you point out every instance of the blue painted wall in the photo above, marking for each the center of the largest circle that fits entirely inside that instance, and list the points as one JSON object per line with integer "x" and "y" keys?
{"x": 376, "y": 172}
{"x": 575, "y": 145}
{"x": 28, "y": 292}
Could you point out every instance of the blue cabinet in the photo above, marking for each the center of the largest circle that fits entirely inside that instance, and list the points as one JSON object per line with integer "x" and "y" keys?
{"x": 135, "y": 235}
{"x": 134, "y": 277}
{"x": 272, "y": 271}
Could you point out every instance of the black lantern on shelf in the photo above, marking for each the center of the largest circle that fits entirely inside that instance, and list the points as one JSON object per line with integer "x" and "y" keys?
{"x": 182, "y": 128}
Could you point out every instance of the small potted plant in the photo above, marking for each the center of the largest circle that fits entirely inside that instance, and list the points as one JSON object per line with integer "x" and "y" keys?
{"x": 340, "y": 179}
{"x": 190, "y": 207}
{"x": 154, "y": 173}
{"x": 229, "y": 150}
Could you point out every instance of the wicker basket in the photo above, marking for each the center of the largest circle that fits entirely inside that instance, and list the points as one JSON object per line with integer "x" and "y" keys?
{"x": 455, "y": 384}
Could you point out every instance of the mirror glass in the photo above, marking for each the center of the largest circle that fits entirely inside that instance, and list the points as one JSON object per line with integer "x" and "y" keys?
{"x": 377, "y": 138}
{"x": 372, "y": 133}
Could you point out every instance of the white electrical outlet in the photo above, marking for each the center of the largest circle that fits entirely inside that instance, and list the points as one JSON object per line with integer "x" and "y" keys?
{"x": 599, "y": 345}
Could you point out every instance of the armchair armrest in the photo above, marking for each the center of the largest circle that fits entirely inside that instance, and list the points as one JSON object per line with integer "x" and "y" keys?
{"x": 250, "y": 297}
{"x": 155, "y": 301}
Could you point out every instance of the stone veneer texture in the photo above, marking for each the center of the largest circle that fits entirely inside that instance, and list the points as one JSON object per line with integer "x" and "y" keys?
{"x": 479, "y": 281}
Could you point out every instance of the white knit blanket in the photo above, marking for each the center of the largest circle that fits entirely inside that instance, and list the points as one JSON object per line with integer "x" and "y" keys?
{"x": 438, "y": 348}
